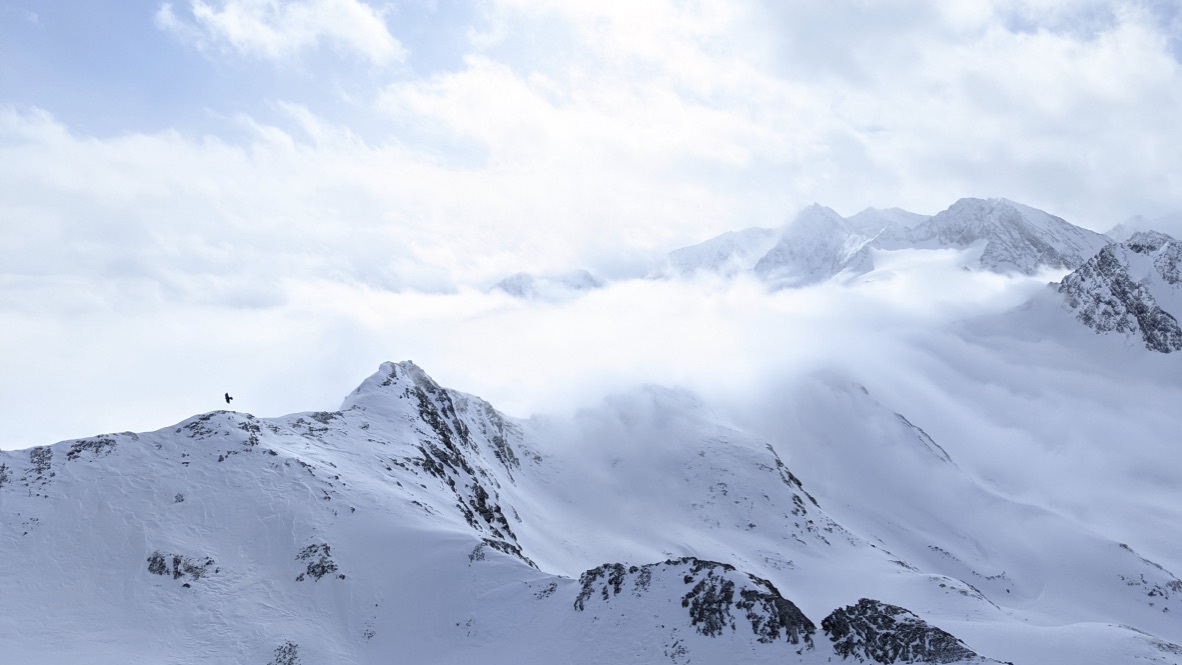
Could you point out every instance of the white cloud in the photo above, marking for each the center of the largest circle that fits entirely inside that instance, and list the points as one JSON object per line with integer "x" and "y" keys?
{"x": 571, "y": 134}
{"x": 277, "y": 30}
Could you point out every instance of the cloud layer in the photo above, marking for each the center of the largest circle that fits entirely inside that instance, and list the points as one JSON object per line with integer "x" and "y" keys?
{"x": 340, "y": 159}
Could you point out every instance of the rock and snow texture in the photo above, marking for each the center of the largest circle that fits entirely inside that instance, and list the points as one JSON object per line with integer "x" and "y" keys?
{"x": 818, "y": 245}
{"x": 1014, "y": 237}
{"x": 1133, "y": 288}
{"x": 858, "y": 631}
{"x": 418, "y": 524}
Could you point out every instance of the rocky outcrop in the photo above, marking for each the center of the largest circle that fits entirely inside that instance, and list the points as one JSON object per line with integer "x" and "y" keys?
{"x": 716, "y": 597}
{"x": 880, "y": 633}
{"x": 457, "y": 432}
{"x": 1114, "y": 292}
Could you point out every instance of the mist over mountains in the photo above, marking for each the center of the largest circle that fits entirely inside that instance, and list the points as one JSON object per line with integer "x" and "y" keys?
{"x": 968, "y": 454}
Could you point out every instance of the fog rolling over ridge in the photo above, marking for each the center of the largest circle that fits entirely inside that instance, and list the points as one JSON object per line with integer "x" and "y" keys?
{"x": 945, "y": 439}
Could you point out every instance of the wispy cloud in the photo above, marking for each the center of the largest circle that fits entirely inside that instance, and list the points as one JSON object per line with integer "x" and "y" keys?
{"x": 277, "y": 30}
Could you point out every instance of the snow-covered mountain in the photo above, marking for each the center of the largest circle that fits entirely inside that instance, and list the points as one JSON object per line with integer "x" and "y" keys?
{"x": 1133, "y": 288}
{"x": 1013, "y": 237}
{"x": 418, "y": 524}
{"x": 819, "y": 244}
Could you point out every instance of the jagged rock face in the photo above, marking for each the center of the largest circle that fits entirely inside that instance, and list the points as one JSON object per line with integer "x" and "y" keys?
{"x": 1017, "y": 237}
{"x": 1165, "y": 251}
{"x": 882, "y": 633}
{"x": 717, "y": 598}
{"x": 816, "y": 246}
{"x": 1114, "y": 291}
{"x": 457, "y": 431}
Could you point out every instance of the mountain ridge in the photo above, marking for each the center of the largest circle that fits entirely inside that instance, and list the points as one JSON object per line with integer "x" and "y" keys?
{"x": 819, "y": 244}
{"x": 419, "y": 521}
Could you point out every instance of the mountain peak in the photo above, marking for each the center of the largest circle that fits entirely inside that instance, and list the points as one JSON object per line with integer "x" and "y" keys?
{"x": 1016, "y": 237}
{"x": 391, "y": 378}
{"x": 816, "y": 215}
{"x": 816, "y": 245}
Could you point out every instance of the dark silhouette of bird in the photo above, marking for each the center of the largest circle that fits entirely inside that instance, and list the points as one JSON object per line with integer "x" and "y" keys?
{"x": 228, "y": 398}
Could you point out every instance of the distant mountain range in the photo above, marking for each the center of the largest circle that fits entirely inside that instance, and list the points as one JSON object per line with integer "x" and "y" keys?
{"x": 819, "y": 244}
{"x": 1108, "y": 289}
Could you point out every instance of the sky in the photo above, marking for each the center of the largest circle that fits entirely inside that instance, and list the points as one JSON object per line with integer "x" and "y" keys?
{"x": 271, "y": 198}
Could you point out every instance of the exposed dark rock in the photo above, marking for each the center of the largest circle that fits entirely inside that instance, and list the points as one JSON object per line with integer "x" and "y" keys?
{"x": 252, "y": 430}
{"x": 1106, "y": 298}
{"x": 789, "y": 479}
{"x": 178, "y": 565}
{"x": 319, "y": 559}
{"x": 882, "y": 633}
{"x": 41, "y": 458}
{"x": 771, "y": 614}
{"x": 445, "y": 455}
{"x": 98, "y": 447}
{"x": 718, "y": 596}
{"x": 286, "y": 654}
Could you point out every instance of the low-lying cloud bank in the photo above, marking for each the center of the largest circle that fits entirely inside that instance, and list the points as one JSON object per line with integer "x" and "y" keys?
{"x": 88, "y": 366}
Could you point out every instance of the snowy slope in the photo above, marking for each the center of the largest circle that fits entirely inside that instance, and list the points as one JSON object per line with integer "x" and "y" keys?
{"x": 1133, "y": 288}
{"x": 418, "y": 524}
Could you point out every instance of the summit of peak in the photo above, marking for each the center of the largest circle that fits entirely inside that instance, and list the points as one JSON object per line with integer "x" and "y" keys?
{"x": 390, "y": 377}
{"x": 815, "y": 219}
{"x": 815, "y": 211}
